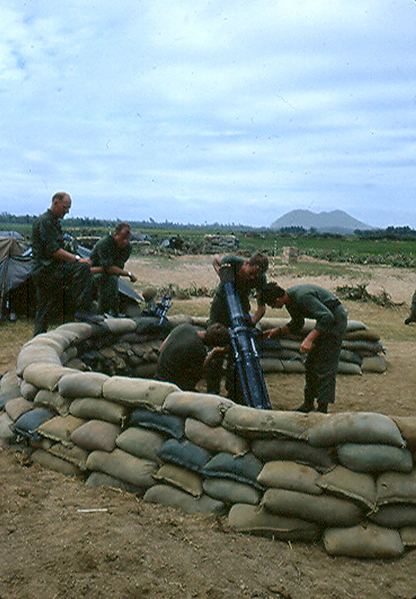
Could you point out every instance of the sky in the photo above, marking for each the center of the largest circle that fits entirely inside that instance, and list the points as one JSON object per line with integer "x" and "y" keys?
{"x": 196, "y": 111}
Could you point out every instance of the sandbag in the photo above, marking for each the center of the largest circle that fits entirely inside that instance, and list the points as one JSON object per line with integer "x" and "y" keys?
{"x": 70, "y": 453}
{"x": 270, "y": 364}
{"x": 173, "y": 497}
{"x": 251, "y": 422}
{"x": 364, "y": 541}
{"x": 407, "y": 427}
{"x": 96, "y": 435}
{"x": 53, "y": 401}
{"x": 408, "y": 536}
{"x": 100, "y": 479}
{"x": 374, "y": 457}
{"x": 138, "y": 392}
{"x": 374, "y": 364}
{"x": 119, "y": 326}
{"x": 124, "y": 466}
{"x": 351, "y": 485}
{"x": 348, "y": 368}
{"x": 29, "y": 422}
{"x": 394, "y": 515}
{"x": 82, "y": 384}
{"x": 28, "y": 391}
{"x": 47, "y": 460}
{"x": 257, "y": 520}
{"x": 184, "y": 479}
{"x": 33, "y": 354}
{"x": 205, "y": 407}
{"x": 215, "y": 439}
{"x": 294, "y": 366}
{"x": 141, "y": 443}
{"x": 6, "y": 433}
{"x": 289, "y": 475}
{"x": 45, "y": 375}
{"x": 60, "y": 428}
{"x": 18, "y": 406}
{"x": 358, "y": 427}
{"x": 325, "y": 510}
{"x": 243, "y": 469}
{"x": 171, "y": 425}
{"x": 102, "y": 409}
{"x": 76, "y": 331}
{"x": 395, "y": 487}
{"x": 184, "y": 453}
{"x": 230, "y": 491}
{"x": 367, "y": 334}
{"x": 296, "y": 451}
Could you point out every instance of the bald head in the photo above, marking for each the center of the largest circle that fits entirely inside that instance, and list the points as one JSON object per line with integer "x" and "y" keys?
{"x": 61, "y": 203}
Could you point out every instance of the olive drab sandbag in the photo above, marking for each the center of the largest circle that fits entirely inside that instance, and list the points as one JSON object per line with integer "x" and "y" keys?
{"x": 351, "y": 485}
{"x": 294, "y": 451}
{"x": 97, "y": 408}
{"x": 374, "y": 457}
{"x": 291, "y": 476}
{"x": 138, "y": 392}
{"x": 60, "y": 428}
{"x": 124, "y": 466}
{"x": 96, "y": 435}
{"x": 368, "y": 541}
{"x": 214, "y": 439}
{"x": 207, "y": 408}
{"x": 180, "y": 477}
{"x": 252, "y": 422}
{"x": 82, "y": 384}
{"x": 173, "y": 497}
{"x": 141, "y": 443}
{"x": 231, "y": 491}
{"x": 53, "y": 401}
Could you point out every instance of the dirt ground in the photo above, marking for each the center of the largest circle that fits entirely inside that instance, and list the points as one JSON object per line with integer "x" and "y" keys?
{"x": 62, "y": 539}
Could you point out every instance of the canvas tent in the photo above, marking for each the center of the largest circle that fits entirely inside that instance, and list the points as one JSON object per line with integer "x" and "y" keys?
{"x": 16, "y": 288}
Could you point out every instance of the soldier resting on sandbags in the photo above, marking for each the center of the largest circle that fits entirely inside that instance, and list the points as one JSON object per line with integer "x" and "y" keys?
{"x": 108, "y": 258}
{"x": 184, "y": 357}
{"x": 322, "y": 345}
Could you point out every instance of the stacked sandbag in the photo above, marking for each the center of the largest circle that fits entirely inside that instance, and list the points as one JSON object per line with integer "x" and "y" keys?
{"x": 220, "y": 244}
{"x": 348, "y": 479}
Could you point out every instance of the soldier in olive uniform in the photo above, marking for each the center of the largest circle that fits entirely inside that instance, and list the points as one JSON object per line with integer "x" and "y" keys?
{"x": 55, "y": 268}
{"x": 412, "y": 315}
{"x": 108, "y": 258}
{"x": 322, "y": 345}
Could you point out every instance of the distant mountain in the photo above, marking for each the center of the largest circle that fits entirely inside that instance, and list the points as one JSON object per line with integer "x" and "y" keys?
{"x": 335, "y": 221}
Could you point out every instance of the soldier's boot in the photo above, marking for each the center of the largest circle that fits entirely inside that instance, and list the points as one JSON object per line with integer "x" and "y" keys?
{"x": 307, "y": 406}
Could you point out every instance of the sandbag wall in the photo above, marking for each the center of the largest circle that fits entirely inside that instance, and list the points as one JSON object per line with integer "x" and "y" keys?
{"x": 348, "y": 479}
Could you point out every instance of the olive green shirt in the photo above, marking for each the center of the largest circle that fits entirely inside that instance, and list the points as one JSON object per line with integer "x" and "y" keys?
{"x": 311, "y": 301}
{"x": 106, "y": 253}
{"x": 47, "y": 238}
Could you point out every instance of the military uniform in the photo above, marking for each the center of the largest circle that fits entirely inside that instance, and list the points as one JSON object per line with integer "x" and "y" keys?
{"x": 107, "y": 253}
{"x": 311, "y": 301}
{"x": 182, "y": 358}
{"x": 52, "y": 276}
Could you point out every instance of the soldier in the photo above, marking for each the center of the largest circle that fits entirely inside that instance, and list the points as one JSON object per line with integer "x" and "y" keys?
{"x": 55, "y": 267}
{"x": 322, "y": 345}
{"x": 183, "y": 357}
{"x": 108, "y": 258}
{"x": 412, "y": 315}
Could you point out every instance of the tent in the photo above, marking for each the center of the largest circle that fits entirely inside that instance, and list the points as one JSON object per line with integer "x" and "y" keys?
{"x": 17, "y": 291}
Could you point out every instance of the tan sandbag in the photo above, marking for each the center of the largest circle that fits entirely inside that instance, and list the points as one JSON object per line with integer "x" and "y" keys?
{"x": 231, "y": 491}
{"x": 351, "y": 485}
{"x": 374, "y": 364}
{"x": 374, "y": 457}
{"x": 47, "y": 460}
{"x": 291, "y": 476}
{"x": 184, "y": 479}
{"x": 293, "y": 366}
{"x": 407, "y": 427}
{"x": 141, "y": 443}
{"x": 28, "y": 390}
{"x": 355, "y": 427}
{"x": 76, "y": 331}
{"x": 96, "y": 435}
{"x": 46, "y": 340}
{"x": 6, "y": 433}
{"x": 367, "y": 334}
{"x": 325, "y": 510}
{"x": 396, "y": 487}
{"x": 124, "y": 466}
{"x": 293, "y": 451}
{"x": 91, "y": 408}
{"x": 82, "y": 384}
{"x": 45, "y": 375}
{"x": 10, "y": 382}
{"x": 74, "y": 364}
{"x": 215, "y": 439}
{"x": 53, "y": 401}
{"x": 271, "y": 364}
{"x": 254, "y": 422}
{"x": 355, "y": 325}
{"x": 100, "y": 479}
{"x": 205, "y": 407}
{"x": 408, "y": 536}
{"x": 119, "y": 326}
{"x": 60, "y": 428}
{"x": 348, "y": 368}
{"x": 33, "y": 354}
{"x": 177, "y": 319}
{"x": 75, "y": 455}
{"x": 17, "y": 406}
{"x": 173, "y": 497}
{"x": 138, "y": 392}
{"x": 257, "y": 520}
{"x": 365, "y": 540}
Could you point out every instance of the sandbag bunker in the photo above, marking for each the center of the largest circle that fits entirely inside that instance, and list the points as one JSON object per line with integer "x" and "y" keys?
{"x": 347, "y": 479}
